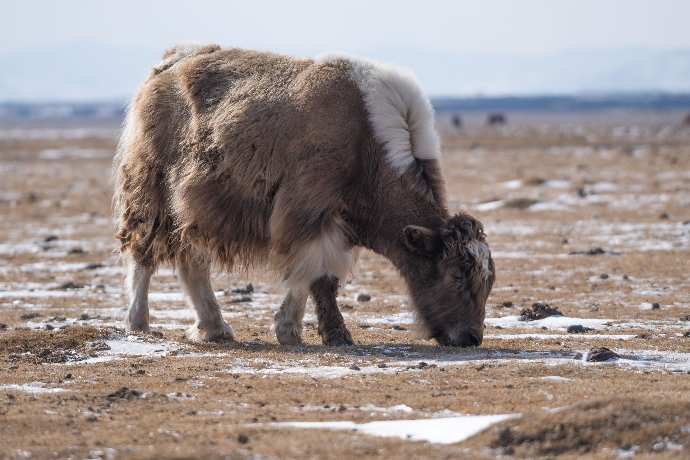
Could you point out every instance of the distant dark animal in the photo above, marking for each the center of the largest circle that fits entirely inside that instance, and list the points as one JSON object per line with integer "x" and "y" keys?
{"x": 686, "y": 120}
{"x": 233, "y": 158}
{"x": 496, "y": 119}
{"x": 456, "y": 120}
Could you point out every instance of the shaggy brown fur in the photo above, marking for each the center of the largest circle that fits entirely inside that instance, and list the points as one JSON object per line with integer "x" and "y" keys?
{"x": 242, "y": 157}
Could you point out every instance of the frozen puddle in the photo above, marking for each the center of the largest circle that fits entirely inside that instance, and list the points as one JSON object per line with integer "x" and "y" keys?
{"x": 33, "y": 388}
{"x": 447, "y": 430}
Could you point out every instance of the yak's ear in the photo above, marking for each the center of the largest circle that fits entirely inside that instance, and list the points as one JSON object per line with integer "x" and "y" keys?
{"x": 421, "y": 240}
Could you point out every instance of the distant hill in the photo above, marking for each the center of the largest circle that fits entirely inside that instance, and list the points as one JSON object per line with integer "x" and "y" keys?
{"x": 87, "y": 72}
{"x": 116, "y": 109}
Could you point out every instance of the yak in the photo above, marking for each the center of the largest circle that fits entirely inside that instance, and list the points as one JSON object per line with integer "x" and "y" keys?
{"x": 232, "y": 158}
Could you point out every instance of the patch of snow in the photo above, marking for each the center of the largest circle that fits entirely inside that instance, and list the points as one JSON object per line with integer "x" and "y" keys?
{"x": 551, "y": 322}
{"x": 446, "y": 430}
{"x": 131, "y": 345}
{"x": 556, "y": 378}
{"x": 398, "y": 318}
{"x": 33, "y": 388}
{"x": 489, "y": 205}
{"x": 324, "y": 372}
{"x": 560, "y": 336}
{"x": 557, "y": 183}
{"x": 512, "y": 184}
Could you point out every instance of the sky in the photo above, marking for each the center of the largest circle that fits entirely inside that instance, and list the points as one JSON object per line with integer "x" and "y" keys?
{"x": 408, "y": 31}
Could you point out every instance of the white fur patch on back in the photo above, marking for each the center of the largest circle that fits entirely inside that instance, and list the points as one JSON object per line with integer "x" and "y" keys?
{"x": 400, "y": 114}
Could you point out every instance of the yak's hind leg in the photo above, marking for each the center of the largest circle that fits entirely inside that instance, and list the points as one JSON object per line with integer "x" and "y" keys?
{"x": 194, "y": 275}
{"x": 332, "y": 328}
{"x": 288, "y": 320}
{"x": 138, "y": 279}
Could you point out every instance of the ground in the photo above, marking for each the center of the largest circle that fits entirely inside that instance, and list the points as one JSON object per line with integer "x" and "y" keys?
{"x": 588, "y": 213}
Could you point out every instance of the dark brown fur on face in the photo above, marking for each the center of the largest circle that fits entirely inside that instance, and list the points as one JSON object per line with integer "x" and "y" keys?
{"x": 452, "y": 279}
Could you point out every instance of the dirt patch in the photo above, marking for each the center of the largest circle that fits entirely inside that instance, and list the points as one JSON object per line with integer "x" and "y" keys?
{"x": 42, "y": 346}
{"x": 651, "y": 426}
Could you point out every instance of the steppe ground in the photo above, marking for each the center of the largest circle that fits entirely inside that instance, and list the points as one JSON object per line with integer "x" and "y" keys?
{"x": 589, "y": 213}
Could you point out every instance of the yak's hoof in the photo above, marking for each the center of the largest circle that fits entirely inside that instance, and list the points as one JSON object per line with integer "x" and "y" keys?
{"x": 136, "y": 325}
{"x": 337, "y": 337}
{"x": 216, "y": 333}
{"x": 288, "y": 333}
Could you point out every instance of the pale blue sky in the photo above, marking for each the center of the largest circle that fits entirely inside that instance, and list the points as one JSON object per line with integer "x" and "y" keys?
{"x": 88, "y": 49}
{"x": 303, "y": 27}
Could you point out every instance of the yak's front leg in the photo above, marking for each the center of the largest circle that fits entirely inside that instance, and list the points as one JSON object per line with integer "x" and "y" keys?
{"x": 288, "y": 320}
{"x": 331, "y": 325}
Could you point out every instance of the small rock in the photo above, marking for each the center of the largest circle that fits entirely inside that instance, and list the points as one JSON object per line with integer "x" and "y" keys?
{"x": 506, "y": 304}
{"x": 685, "y": 318}
{"x": 84, "y": 317}
{"x": 248, "y": 289}
{"x": 355, "y": 367}
{"x": 578, "y": 329}
{"x": 124, "y": 393}
{"x": 382, "y": 365}
{"x": 69, "y": 285}
{"x": 397, "y": 327}
{"x": 422, "y": 365}
{"x": 49, "y": 327}
{"x": 50, "y": 238}
{"x": 604, "y": 276}
{"x": 598, "y": 251}
{"x": 520, "y": 203}
{"x": 656, "y": 306}
{"x": 244, "y": 298}
{"x": 243, "y": 439}
{"x": 76, "y": 251}
{"x": 68, "y": 376}
{"x": 601, "y": 354}
{"x": 664, "y": 216}
{"x": 91, "y": 418}
{"x": 3, "y": 326}
{"x": 539, "y": 310}
{"x": 93, "y": 266}
{"x": 28, "y": 316}
{"x": 686, "y": 334}
{"x": 363, "y": 297}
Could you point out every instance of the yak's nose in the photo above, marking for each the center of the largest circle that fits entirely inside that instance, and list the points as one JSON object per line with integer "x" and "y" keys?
{"x": 469, "y": 339}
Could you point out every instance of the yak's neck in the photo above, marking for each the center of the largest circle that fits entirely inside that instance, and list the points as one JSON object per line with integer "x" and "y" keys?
{"x": 385, "y": 236}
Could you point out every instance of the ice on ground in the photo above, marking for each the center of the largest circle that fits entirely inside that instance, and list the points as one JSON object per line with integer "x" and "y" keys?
{"x": 560, "y": 336}
{"x": 316, "y": 371}
{"x": 556, "y": 378}
{"x": 405, "y": 317}
{"x": 647, "y": 360}
{"x": 33, "y": 388}
{"x": 131, "y": 345}
{"x": 446, "y": 430}
{"x": 551, "y": 322}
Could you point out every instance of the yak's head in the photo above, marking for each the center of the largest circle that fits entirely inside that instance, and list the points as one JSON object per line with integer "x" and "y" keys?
{"x": 450, "y": 276}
